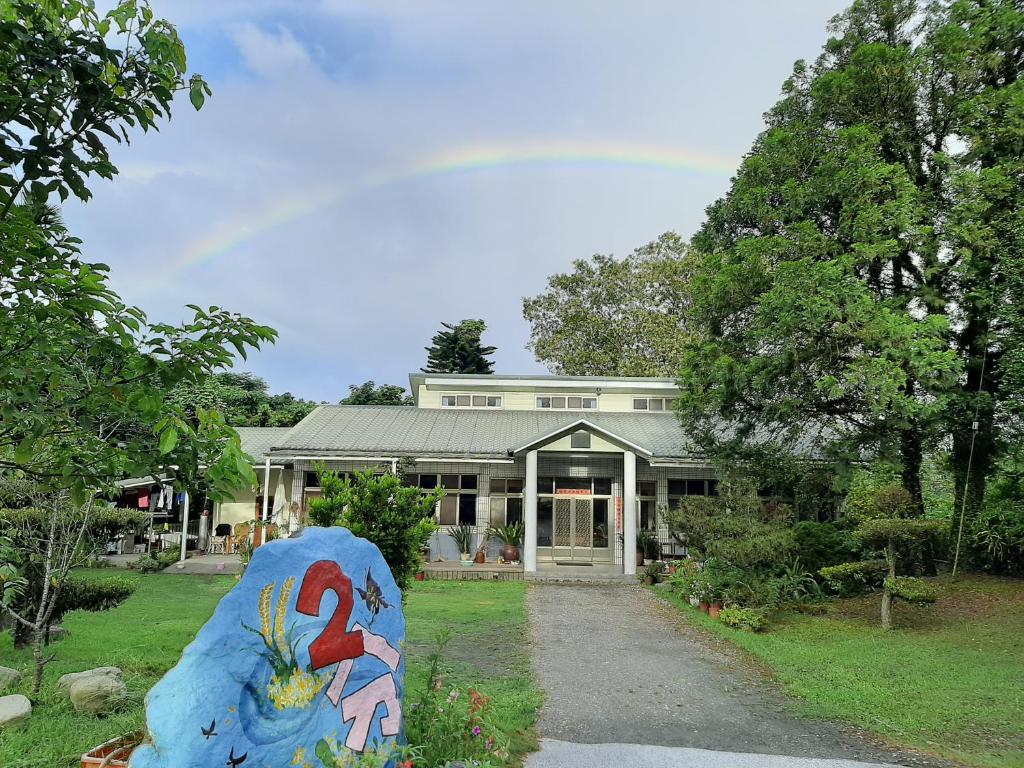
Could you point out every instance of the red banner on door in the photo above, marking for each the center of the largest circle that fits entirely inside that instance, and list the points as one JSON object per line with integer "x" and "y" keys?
{"x": 618, "y": 513}
{"x": 572, "y": 492}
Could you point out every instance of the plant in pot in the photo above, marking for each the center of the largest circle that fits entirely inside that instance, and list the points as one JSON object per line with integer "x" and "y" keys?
{"x": 481, "y": 548}
{"x": 462, "y": 535}
{"x": 512, "y": 538}
{"x": 651, "y": 573}
{"x": 647, "y": 542}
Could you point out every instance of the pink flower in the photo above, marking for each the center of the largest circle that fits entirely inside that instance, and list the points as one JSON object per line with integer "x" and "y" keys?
{"x": 476, "y": 730}
{"x": 489, "y": 745}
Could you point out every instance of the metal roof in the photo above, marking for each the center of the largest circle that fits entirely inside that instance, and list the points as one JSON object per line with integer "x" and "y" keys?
{"x": 256, "y": 441}
{"x": 353, "y": 430}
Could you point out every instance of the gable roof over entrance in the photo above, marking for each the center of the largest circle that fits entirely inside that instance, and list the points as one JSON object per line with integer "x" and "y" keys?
{"x": 379, "y": 431}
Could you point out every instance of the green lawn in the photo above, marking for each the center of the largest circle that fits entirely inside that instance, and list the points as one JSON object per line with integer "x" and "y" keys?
{"x": 948, "y": 680}
{"x": 145, "y": 636}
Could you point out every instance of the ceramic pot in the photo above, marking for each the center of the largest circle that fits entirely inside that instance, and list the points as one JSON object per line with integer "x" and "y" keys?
{"x": 703, "y": 607}
{"x": 481, "y": 557}
{"x": 421, "y": 576}
{"x": 714, "y": 609}
{"x": 510, "y": 553}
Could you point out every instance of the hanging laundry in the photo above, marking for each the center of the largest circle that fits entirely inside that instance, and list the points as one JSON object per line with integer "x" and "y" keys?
{"x": 168, "y": 494}
{"x": 143, "y": 501}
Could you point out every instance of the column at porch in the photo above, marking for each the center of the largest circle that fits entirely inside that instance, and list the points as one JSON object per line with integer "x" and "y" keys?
{"x": 629, "y": 513}
{"x": 530, "y": 513}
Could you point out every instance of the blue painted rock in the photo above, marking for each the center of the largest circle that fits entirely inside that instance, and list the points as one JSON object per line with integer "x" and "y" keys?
{"x": 301, "y": 662}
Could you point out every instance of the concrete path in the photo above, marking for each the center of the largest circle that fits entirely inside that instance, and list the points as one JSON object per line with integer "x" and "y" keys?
{"x": 621, "y": 668}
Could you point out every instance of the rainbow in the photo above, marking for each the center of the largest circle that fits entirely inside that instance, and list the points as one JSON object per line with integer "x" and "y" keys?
{"x": 481, "y": 157}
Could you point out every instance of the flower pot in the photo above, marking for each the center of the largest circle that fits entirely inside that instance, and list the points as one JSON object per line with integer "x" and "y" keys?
{"x": 650, "y": 581}
{"x": 510, "y": 553}
{"x": 639, "y": 556}
{"x": 703, "y": 607}
{"x": 481, "y": 557}
{"x": 671, "y": 569}
{"x": 465, "y": 560}
{"x": 421, "y": 576}
{"x": 113, "y": 753}
{"x": 714, "y": 609}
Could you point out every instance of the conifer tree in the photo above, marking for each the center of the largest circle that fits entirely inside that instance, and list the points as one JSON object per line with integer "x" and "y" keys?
{"x": 458, "y": 349}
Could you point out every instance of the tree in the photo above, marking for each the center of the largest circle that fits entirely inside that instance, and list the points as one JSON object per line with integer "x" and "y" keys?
{"x": 84, "y": 378}
{"x": 853, "y": 283}
{"x": 458, "y": 349}
{"x": 369, "y": 393}
{"x": 614, "y": 317}
{"x": 245, "y": 400}
{"x": 379, "y": 507}
{"x": 891, "y": 525}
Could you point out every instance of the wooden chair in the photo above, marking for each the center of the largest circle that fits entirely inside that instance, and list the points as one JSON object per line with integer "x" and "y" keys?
{"x": 241, "y": 534}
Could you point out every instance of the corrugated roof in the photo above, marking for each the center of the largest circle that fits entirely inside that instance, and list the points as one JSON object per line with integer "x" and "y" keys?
{"x": 395, "y": 430}
{"x": 256, "y": 441}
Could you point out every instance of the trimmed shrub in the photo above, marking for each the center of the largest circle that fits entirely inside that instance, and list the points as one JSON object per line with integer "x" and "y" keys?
{"x": 750, "y": 619}
{"x": 99, "y": 594}
{"x": 819, "y": 545}
{"x": 911, "y": 589}
{"x": 849, "y": 579}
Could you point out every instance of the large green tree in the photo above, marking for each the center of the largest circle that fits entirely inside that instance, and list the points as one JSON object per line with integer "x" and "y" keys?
{"x": 458, "y": 349}
{"x": 84, "y": 378}
{"x": 245, "y": 400}
{"x": 855, "y": 281}
{"x": 370, "y": 393}
{"x": 614, "y": 317}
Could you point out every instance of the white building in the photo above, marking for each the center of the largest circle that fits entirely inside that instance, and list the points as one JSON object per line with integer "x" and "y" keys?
{"x": 582, "y": 462}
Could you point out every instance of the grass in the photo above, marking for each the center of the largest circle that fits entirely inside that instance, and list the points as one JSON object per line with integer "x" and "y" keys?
{"x": 146, "y": 634}
{"x": 949, "y": 680}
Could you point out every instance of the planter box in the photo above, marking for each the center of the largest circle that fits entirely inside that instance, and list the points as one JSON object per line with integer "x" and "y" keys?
{"x": 112, "y": 754}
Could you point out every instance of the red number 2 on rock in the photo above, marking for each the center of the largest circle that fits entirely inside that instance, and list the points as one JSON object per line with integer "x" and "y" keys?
{"x": 333, "y": 644}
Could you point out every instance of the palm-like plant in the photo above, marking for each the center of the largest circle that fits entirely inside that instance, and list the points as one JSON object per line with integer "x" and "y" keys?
{"x": 462, "y": 535}
{"x": 512, "y": 535}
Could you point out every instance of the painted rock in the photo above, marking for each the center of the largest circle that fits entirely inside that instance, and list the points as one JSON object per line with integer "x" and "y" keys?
{"x": 301, "y": 662}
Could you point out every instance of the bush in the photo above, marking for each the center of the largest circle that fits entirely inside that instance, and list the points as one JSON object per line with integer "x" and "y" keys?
{"x": 822, "y": 544}
{"x": 848, "y": 579}
{"x": 99, "y": 594}
{"x": 744, "y": 618}
{"x": 911, "y": 589}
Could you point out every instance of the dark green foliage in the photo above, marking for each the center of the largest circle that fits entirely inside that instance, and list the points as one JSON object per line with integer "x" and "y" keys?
{"x": 848, "y": 579}
{"x": 397, "y": 518}
{"x": 92, "y": 594}
{"x": 822, "y": 544}
{"x": 734, "y": 527}
{"x": 859, "y": 289}
{"x": 369, "y": 393}
{"x": 326, "y": 509}
{"x": 880, "y": 531}
{"x": 648, "y": 543}
{"x": 458, "y": 349}
{"x": 244, "y": 400}
{"x": 911, "y": 589}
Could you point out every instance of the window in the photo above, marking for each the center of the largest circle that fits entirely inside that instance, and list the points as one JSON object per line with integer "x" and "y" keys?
{"x": 580, "y": 439}
{"x": 458, "y": 506}
{"x": 506, "y": 501}
{"x": 652, "y": 404}
{"x": 567, "y": 402}
{"x": 646, "y": 495}
{"x": 677, "y": 489}
{"x": 470, "y": 401}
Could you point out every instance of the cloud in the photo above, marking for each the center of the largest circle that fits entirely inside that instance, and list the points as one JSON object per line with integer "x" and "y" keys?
{"x": 273, "y": 53}
{"x": 344, "y": 103}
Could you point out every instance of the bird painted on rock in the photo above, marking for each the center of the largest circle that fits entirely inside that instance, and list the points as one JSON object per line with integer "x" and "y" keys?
{"x": 210, "y": 732}
{"x": 236, "y": 761}
{"x": 372, "y": 595}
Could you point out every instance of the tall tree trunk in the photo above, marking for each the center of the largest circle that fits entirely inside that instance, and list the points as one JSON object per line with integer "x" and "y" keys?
{"x": 912, "y": 455}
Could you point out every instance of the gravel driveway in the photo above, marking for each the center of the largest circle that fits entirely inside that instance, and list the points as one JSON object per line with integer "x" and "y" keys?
{"x": 620, "y": 666}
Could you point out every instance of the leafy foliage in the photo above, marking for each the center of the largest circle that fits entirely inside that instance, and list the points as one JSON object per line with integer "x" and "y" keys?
{"x": 865, "y": 266}
{"x": 614, "y": 317}
{"x": 397, "y": 518}
{"x": 370, "y": 393}
{"x": 462, "y": 535}
{"x": 852, "y": 578}
{"x": 822, "y": 544}
{"x": 92, "y": 594}
{"x": 751, "y": 619}
{"x": 911, "y": 589}
{"x": 458, "y": 349}
{"x": 243, "y": 399}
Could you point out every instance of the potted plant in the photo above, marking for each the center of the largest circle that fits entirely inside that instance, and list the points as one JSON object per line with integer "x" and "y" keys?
{"x": 651, "y": 573}
{"x": 512, "y": 537}
{"x": 462, "y": 535}
{"x": 647, "y": 546}
{"x": 481, "y": 548}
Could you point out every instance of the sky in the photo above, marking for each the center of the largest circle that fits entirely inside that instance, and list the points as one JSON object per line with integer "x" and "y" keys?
{"x": 366, "y": 170}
